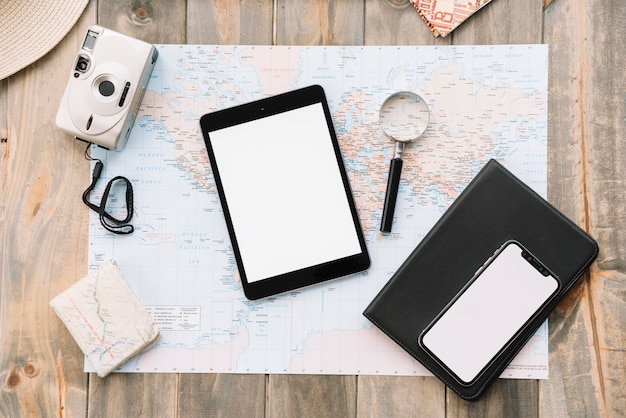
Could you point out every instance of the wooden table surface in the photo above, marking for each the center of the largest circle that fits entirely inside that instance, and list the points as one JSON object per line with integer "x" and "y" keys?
{"x": 44, "y": 228}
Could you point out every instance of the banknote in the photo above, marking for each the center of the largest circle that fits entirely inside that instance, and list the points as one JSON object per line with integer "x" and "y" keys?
{"x": 442, "y": 16}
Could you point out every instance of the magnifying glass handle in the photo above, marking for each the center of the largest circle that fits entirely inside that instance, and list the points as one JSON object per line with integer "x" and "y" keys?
{"x": 393, "y": 182}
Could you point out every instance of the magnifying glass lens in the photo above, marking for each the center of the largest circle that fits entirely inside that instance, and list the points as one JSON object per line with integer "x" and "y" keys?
{"x": 404, "y": 116}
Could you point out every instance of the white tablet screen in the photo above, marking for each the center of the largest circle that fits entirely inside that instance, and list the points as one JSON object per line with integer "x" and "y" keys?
{"x": 285, "y": 193}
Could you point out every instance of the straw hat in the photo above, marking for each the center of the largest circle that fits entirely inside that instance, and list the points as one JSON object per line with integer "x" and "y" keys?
{"x": 31, "y": 28}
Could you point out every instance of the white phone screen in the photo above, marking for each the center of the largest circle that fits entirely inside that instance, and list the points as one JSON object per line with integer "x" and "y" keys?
{"x": 489, "y": 312}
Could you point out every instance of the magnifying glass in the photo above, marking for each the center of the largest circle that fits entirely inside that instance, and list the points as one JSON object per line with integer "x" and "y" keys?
{"x": 404, "y": 117}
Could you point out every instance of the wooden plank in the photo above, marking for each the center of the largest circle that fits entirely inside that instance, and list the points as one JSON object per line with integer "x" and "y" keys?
{"x": 506, "y": 398}
{"x": 400, "y": 396}
{"x": 604, "y": 124}
{"x": 133, "y": 395}
{"x": 608, "y": 297}
{"x": 396, "y": 22}
{"x": 42, "y": 239}
{"x": 221, "y": 395}
{"x": 307, "y": 22}
{"x": 154, "y": 22}
{"x": 314, "y": 396}
{"x": 246, "y": 22}
{"x": 598, "y": 41}
{"x": 571, "y": 389}
{"x": 575, "y": 387}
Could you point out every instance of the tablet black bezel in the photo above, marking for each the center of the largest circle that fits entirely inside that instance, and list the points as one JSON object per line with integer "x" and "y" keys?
{"x": 256, "y": 110}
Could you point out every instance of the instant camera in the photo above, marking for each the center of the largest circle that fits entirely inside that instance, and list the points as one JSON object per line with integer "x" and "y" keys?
{"x": 105, "y": 88}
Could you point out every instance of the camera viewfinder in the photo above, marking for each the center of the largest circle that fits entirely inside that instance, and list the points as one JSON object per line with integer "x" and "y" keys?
{"x": 90, "y": 40}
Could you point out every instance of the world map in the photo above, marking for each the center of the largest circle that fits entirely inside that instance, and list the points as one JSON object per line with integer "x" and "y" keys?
{"x": 485, "y": 102}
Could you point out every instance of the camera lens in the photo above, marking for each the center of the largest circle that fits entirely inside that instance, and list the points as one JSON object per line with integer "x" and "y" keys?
{"x": 106, "y": 88}
{"x": 82, "y": 64}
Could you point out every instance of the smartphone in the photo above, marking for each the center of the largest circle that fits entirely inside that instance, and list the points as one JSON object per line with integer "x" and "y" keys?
{"x": 498, "y": 303}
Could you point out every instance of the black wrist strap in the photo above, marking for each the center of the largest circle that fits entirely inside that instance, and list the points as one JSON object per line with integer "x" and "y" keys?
{"x": 108, "y": 221}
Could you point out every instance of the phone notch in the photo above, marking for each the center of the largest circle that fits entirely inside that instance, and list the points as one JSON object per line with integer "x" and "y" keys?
{"x": 535, "y": 263}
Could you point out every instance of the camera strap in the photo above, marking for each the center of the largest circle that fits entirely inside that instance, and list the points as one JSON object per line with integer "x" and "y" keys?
{"x": 108, "y": 221}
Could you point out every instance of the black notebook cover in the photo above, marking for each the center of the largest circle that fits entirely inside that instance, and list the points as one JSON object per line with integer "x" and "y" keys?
{"x": 494, "y": 208}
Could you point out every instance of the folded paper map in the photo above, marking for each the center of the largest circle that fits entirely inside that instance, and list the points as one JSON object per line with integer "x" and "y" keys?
{"x": 105, "y": 317}
{"x": 442, "y": 16}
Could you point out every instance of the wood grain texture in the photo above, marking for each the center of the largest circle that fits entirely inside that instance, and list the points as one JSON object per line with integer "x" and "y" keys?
{"x": 586, "y": 132}
{"x": 573, "y": 369}
{"x": 400, "y": 396}
{"x": 248, "y": 22}
{"x": 133, "y": 395}
{"x": 603, "y": 108}
{"x": 221, "y": 395}
{"x": 44, "y": 228}
{"x": 154, "y": 22}
{"x": 506, "y": 399}
{"x": 395, "y": 22}
{"x": 604, "y": 126}
{"x": 43, "y": 174}
{"x": 308, "y": 22}
{"x": 314, "y": 396}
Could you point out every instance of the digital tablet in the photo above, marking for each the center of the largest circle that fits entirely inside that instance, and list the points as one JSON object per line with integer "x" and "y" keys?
{"x": 284, "y": 191}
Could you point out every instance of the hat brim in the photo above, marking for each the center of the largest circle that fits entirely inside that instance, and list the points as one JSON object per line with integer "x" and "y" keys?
{"x": 30, "y": 29}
